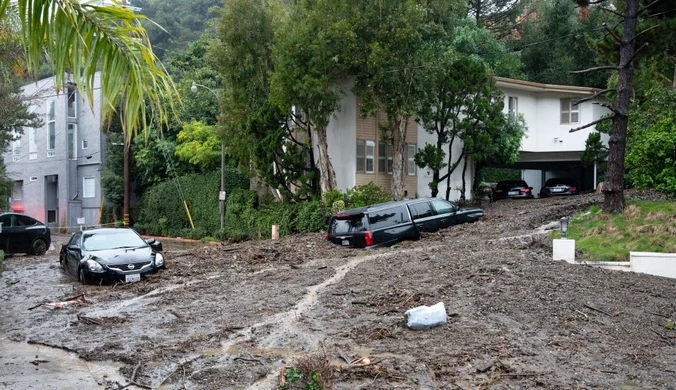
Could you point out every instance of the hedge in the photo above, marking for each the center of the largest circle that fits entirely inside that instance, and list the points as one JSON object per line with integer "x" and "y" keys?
{"x": 162, "y": 211}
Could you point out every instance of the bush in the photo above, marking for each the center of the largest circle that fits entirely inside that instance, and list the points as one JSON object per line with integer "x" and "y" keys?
{"x": 312, "y": 217}
{"x": 365, "y": 195}
{"x": 162, "y": 209}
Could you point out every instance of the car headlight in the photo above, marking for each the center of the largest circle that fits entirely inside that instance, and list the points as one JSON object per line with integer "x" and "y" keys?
{"x": 94, "y": 266}
{"x": 159, "y": 260}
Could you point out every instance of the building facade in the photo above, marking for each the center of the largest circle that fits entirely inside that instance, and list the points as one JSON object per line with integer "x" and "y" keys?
{"x": 56, "y": 169}
{"x": 359, "y": 155}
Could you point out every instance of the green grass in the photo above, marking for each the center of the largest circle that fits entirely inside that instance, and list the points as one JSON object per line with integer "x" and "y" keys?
{"x": 643, "y": 227}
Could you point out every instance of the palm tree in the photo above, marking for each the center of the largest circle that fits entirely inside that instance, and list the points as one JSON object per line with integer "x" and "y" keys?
{"x": 83, "y": 37}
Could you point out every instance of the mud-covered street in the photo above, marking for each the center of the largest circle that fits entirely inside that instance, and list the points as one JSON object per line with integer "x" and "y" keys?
{"x": 232, "y": 316}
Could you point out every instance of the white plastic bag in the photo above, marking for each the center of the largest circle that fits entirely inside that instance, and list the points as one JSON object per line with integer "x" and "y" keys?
{"x": 425, "y": 317}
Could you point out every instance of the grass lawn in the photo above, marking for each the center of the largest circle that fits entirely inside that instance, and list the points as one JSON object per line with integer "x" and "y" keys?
{"x": 643, "y": 227}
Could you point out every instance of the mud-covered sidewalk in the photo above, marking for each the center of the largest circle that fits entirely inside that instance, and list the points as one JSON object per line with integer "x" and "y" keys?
{"x": 232, "y": 316}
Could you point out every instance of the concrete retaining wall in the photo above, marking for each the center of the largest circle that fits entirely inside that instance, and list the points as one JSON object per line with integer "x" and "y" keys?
{"x": 660, "y": 264}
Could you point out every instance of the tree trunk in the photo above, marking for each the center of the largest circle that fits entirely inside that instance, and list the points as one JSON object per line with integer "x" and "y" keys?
{"x": 127, "y": 182}
{"x": 613, "y": 189}
{"x": 326, "y": 173}
{"x": 398, "y": 145}
{"x": 463, "y": 198}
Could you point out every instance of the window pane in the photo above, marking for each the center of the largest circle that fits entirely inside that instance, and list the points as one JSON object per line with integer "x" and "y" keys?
{"x": 564, "y": 118}
{"x": 89, "y": 190}
{"x": 361, "y": 154}
{"x": 382, "y": 157}
{"x": 51, "y": 129}
{"x": 385, "y": 218}
{"x": 410, "y": 159}
{"x": 72, "y": 141}
{"x": 421, "y": 210}
{"x": 370, "y": 151}
{"x": 72, "y": 104}
{"x": 51, "y": 114}
{"x": 389, "y": 158}
{"x": 51, "y": 216}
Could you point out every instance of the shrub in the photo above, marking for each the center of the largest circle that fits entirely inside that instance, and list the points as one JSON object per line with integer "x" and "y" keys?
{"x": 365, "y": 195}
{"x": 312, "y": 217}
{"x": 200, "y": 192}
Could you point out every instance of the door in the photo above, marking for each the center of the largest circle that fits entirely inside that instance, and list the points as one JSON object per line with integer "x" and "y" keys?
{"x": 423, "y": 216}
{"x": 73, "y": 255}
{"x": 446, "y": 213}
{"x": 6, "y": 232}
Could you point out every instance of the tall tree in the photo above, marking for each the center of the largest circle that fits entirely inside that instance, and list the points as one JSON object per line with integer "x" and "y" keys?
{"x": 259, "y": 135}
{"x": 613, "y": 188}
{"x": 386, "y": 41}
{"x": 497, "y": 15}
{"x": 307, "y": 70}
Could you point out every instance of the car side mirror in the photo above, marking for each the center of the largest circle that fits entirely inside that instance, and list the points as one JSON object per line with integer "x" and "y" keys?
{"x": 156, "y": 245}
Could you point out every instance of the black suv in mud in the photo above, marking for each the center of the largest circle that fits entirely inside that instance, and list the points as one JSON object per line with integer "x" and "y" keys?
{"x": 386, "y": 223}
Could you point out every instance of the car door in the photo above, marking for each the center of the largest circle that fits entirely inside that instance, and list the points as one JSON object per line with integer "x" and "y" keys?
{"x": 6, "y": 232}
{"x": 445, "y": 213}
{"x": 423, "y": 216}
{"x": 73, "y": 254}
{"x": 25, "y": 235}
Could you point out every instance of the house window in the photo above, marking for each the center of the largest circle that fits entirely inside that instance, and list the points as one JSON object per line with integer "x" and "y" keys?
{"x": 33, "y": 143}
{"x": 51, "y": 216}
{"x": 384, "y": 157}
{"x": 410, "y": 159}
{"x": 16, "y": 150}
{"x": 72, "y": 141}
{"x": 51, "y": 129}
{"x": 85, "y": 145}
{"x": 570, "y": 113}
{"x": 33, "y": 178}
{"x": 72, "y": 102}
{"x": 365, "y": 156}
{"x": 88, "y": 187}
{"x": 513, "y": 107}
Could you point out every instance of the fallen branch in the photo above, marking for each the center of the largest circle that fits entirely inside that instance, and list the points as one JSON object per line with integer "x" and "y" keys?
{"x": 251, "y": 359}
{"x": 599, "y": 310}
{"x": 585, "y": 316}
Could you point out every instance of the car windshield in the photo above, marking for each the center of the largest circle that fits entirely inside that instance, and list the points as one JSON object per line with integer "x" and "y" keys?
{"x": 112, "y": 240}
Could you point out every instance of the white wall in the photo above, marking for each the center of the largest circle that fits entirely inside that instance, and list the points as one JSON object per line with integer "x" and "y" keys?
{"x": 341, "y": 135}
{"x": 425, "y": 176}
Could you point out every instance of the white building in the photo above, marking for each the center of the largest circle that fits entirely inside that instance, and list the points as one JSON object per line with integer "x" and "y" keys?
{"x": 548, "y": 150}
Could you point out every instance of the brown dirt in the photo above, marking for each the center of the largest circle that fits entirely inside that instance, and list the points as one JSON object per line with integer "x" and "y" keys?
{"x": 232, "y": 316}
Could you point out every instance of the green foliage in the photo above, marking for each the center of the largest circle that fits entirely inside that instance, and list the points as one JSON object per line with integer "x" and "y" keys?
{"x": 162, "y": 208}
{"x": 311, "y": 217}
{"x": 651, "y": 159}
{"x": 365, "y": 195}
{"x": 2, "y": 257}
{"x": 199, "y": 144}
{"x": 494, "y": 175}
{"x": 644, "y": 227}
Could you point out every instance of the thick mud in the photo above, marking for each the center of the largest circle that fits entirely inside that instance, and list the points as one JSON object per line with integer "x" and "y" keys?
{"x": 233, "y": 316}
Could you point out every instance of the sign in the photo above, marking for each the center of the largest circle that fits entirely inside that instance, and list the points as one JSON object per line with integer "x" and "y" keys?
{"x": 221, "y": 195}
{"x": 80, "y": 220}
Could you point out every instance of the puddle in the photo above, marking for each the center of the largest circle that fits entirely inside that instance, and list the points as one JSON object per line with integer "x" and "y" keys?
{"x": 25, "y": 366}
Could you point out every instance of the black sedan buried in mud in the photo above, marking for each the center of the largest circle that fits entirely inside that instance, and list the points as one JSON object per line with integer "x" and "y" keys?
{"x": 110, "y": 254}
{"x": 386, "y": 223}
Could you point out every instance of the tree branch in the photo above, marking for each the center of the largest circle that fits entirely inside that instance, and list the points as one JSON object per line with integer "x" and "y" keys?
{"x": 611, "y": 32}
{"x": 606, "y": 67}
{"x": 646, "y": 30}
{"x": 608, "y": 106}
{"x": 646, "y": 7}
{"x": 590, "y": 124}
{"x": 636, "y": 52}
{"x": 612, "y": 12}
{"x": 597, "y": 94}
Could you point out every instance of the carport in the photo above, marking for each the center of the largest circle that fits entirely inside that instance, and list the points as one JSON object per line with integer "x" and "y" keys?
{"x": 537, "y": 167}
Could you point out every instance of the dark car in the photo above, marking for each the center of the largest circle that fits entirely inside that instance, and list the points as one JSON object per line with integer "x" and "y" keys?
{"x": 22, "y": 234}
{"x": 111, "y": 254}
{"x": 512, "y": 189}
{"x": 559, "y": 186}
{"x": 386, "y": 223}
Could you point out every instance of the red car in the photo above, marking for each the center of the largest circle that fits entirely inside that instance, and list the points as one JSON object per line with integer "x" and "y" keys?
{"x": 512, "y": 189}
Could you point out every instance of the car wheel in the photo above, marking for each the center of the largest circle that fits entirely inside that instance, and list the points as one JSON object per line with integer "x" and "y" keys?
{"x": 39, "y": 247}
{"x": 83, "y": 277}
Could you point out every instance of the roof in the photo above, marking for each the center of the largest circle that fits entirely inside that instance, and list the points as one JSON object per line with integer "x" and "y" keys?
{"x": 538, "y": 87}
